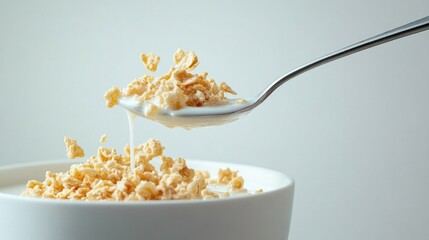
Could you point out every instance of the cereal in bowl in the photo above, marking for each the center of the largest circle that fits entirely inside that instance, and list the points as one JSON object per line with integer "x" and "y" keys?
{"x": 107, "y": 177}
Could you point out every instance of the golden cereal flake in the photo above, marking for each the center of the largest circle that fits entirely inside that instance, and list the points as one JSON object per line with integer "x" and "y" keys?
{"x": 101, "y": 190}
{"x": 185, "y": 59}
{"x": 236, "y": 183}
{"x": 139, "y": 86}
{"x": 152, "y": 148}
{"x": 181, "y": 168}
{"x": 112, "y": 96}
{"x": 184, "y": 77}
{"x": 204, "y": 174}
{"x": 103, "y": 138}
{"x": 34, "y": 189}
{"x": 151, "y": 110}
{"x": 167, "y": 164}
{"x": 224, "y": 87}
{"x": 175, "y": 98}
{"x": 171, "y": 180}
{"x": 226, "y": 175}
{"x": 150, "y": 61}
{"x": 143, "y": 161}
{"x": 141, "y": 173}
{"x": 73, "y": 149}
{"x": 195, "y": 187}
{"x": 146, "y": 191}
{"x": 105, "y": 153}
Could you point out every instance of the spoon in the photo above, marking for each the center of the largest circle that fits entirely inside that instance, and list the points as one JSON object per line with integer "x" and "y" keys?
{"x": 192, "y": 117}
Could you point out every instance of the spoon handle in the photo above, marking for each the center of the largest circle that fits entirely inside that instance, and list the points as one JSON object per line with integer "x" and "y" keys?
{"x": 402, "y": 31}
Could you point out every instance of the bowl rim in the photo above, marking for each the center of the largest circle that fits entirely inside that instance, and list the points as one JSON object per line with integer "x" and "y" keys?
{"x": 289, "y": 183}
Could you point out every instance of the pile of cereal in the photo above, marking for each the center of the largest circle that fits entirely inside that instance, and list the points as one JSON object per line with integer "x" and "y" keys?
{"x": 176, "y": 89}
{"x": 108, "y": 176}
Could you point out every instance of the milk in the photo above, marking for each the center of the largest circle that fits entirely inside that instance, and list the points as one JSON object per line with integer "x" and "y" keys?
{"x": 131, "y": 120}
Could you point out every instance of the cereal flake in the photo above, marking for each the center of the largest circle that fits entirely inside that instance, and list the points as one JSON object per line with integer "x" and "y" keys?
{"x": 150, "y": 61}
{"x": 103, "y": 138}
{"x": 112, "y": 96}
{"x": 73, "y": 149}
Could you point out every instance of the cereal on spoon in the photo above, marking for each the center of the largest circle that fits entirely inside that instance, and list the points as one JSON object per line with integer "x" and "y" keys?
{"x": 176, "y": 89}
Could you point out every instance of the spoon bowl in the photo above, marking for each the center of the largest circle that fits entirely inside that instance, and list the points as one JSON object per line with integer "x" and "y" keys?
{"x": 192, "y": 117}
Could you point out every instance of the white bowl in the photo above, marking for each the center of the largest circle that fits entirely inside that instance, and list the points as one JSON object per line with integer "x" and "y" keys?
{"x": 261, "y": 216}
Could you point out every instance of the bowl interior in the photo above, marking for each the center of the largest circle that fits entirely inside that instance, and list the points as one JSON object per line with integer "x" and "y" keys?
{"x": 14, "y": 178}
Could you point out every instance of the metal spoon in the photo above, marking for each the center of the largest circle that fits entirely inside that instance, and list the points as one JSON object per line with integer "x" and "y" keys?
{"x": 192, "y": 117}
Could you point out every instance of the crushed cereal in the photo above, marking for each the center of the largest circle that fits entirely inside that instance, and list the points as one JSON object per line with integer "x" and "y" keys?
{"x": 112, "y": 96}
{"x": 174, "y": 90}
{"x": 73, "y": 149}
{"x": 103, "y": 138}
{"x": 150, "y": 61}
{"x": 107, "y": 177}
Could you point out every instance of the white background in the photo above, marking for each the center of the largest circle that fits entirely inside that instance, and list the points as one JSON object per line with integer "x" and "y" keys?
{"x": 354, "y": 133}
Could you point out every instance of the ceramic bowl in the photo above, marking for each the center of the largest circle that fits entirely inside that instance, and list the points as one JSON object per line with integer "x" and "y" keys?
{"x": 260, "y": 216}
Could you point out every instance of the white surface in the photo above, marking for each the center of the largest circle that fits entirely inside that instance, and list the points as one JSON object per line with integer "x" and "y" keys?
{"x": 236, "y": 218}
{"x": 354, "y": 134}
